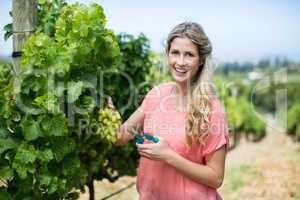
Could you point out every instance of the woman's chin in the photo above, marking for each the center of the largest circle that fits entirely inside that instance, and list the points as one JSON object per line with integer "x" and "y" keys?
{"x": 179, "y": 79}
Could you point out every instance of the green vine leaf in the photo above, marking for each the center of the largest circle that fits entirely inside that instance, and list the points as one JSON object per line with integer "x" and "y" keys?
{"x": 61, "y": 146}
{"x": 8, "y": 31}
{"x": 7, "y": 143}
{"x": 31, "y": 129}
{"x": 54, "y": 125}
{"x": 74, "y": 91}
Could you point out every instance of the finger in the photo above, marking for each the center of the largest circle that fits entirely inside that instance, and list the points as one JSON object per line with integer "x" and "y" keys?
{"x": 111, "y": 107}
{"x": 144, "y": 146}
{"x": 109, "y": 99}
{"x": 119, "y": 134}
{"x": 148, "y": 152}
{"x": 145, "y": 154}
{"x": 147, "y": 145}
{"x": 110, "y": 103}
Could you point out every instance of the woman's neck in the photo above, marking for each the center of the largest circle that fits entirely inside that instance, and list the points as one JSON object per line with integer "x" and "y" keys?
{"x": 180, "y": 93}
{"x": 181, "y": 90}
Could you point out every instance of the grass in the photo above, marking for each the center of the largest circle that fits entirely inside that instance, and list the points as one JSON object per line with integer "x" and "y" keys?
{"x": 238, "y": 177}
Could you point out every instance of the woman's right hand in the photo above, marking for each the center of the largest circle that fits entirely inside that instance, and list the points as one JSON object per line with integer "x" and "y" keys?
{"x": 122, "y": 136}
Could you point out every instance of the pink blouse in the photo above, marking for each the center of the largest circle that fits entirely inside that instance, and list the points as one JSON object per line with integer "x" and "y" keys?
{"x": 157, "y": 180}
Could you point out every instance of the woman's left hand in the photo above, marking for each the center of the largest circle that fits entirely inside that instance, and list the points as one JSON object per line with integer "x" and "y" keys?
{"x": 159, "y": 151}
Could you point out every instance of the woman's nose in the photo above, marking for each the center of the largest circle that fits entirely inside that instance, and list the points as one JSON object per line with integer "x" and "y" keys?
{"x": 181, "y": 60}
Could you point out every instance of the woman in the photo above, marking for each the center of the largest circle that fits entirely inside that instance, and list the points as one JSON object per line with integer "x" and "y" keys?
{"x": 186, "y": 116}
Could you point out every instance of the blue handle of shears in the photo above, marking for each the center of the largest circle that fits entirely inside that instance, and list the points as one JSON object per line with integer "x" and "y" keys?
{"x": 139, "y": 139}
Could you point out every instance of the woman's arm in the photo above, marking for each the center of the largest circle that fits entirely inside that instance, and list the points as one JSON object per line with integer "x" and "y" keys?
{"x": 129, "y": 128}
{"x": 211, "y": 174}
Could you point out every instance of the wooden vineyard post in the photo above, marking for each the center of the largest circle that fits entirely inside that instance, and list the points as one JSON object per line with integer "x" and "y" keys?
{"x": 24, "y": 14}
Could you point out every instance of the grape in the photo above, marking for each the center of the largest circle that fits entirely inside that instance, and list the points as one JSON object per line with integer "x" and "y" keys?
{"x": 110, "y": 122}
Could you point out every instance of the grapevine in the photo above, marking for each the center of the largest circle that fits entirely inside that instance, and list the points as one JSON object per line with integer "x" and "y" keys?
{"x": 53, "y": 121}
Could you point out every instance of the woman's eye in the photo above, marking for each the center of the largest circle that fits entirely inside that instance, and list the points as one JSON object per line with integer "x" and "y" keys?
{"x": 174, "y": 52}
{"x": 190, "y": 54}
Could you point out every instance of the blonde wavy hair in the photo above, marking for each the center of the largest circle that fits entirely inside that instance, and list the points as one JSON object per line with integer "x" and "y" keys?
{"x": 200, "y": 91}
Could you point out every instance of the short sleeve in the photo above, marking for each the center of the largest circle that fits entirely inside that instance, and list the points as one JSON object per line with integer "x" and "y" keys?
{"x": 218, "y": 132}
{"x": 150, "y": 101}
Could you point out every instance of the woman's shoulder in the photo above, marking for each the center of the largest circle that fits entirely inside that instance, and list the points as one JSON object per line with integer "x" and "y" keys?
{"x": 162, "y": 88}
{"x": 155, "y": 95}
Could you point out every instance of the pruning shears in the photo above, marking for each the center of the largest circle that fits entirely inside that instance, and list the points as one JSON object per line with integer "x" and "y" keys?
{"x": 140, "y": 138}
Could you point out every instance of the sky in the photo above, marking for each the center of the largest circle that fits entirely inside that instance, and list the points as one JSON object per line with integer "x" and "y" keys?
{"x": 239, "y": 30}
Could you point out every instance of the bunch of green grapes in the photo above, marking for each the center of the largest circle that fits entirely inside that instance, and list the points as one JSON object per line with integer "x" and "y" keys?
{"x": 110, "y": 122}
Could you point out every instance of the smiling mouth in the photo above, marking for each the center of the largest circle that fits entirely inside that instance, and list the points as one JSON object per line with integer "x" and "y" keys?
{"x": 180, "y": 70}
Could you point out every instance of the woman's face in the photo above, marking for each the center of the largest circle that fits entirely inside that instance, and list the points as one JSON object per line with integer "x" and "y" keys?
{"x": 183, "y": 59}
